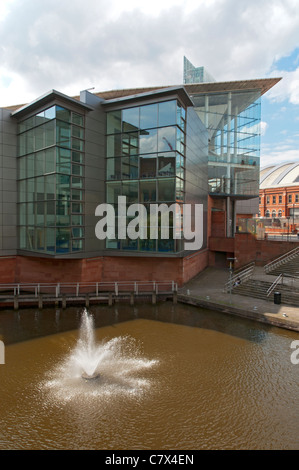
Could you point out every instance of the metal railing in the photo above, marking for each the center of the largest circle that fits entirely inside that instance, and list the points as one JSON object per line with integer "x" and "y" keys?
{"x": 242, "y": 274}
{"x": 274, "y": 284}
{"x": 282, "y": 259}
{"x": 93, "y": 288}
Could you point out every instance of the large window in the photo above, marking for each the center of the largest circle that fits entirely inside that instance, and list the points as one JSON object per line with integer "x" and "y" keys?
{"x": 233, "y": 122}
{"x": 146, "y": 162}
{"x": 51, "y": 182}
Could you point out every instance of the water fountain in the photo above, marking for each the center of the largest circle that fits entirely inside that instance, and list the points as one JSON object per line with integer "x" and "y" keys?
{"x": 107, "y": 368}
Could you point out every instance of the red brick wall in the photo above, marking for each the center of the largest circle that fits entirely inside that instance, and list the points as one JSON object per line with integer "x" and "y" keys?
{"x": 7, "y": 270}
{"x": 105, "y": 269}
{"x": 194, "y": 264}
{"x": 248, "y": 248}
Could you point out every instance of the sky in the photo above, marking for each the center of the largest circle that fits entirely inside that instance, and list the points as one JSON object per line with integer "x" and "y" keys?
{"x": 72, "y": 45}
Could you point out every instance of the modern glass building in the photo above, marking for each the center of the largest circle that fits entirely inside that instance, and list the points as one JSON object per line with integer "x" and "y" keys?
{"x": 194, "y": 74}
{"x": 62, "y": 156}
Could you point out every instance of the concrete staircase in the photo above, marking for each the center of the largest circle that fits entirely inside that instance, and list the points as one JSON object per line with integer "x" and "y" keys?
{"x": 290, "y": 267}
{"x": 257, "y": 289}
{"x": 286, "y": 264}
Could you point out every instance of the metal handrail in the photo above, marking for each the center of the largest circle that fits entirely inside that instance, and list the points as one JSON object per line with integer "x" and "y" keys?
{"x": 283, "y": 258}
{"x": 274, "y": 284}
{"x": 245, "y": 274}
{"x": 97, "y": 287}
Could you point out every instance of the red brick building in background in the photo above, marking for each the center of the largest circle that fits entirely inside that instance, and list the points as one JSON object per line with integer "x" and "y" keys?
{"x": 279, "y": 196}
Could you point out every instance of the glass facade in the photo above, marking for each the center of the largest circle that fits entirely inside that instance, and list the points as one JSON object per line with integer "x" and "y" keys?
{"x": 146, "y": 163}
{"x": 51, "y": 182}
{"x": 233, "y": 123}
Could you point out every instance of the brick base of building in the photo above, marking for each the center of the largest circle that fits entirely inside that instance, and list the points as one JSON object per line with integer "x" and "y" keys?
{"x": 26, "y": 269}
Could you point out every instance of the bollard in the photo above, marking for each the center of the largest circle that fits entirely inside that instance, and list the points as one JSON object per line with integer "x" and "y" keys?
{"x": 132, "y": 299}
{"x": 40, "y": 301}
{"x": 110, "y": 299}
{"x": 16, "y": 302}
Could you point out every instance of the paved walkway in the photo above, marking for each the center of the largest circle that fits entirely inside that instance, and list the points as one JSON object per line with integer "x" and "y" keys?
{"x": 206, "y": 290}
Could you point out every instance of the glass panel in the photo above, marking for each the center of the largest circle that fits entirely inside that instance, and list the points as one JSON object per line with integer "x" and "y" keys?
{"x": 148, "y": 245}
{"x": 63, "y": 114}
{"x": 113, "y": 122}
{"x": 148, "y": 164}
{"x": 30, "y": 213}
{"x": 166, "y": 245}
{"x": 49, "y": 130}
{"x": 77, "y": 132}
{"x": 77, "y": 220}
{"x": 130, "y": 119}
{"x": 77, "y": 144}
{"x": 22, "y": 237}
{"x": 166, "y": 190}
{"x": 113, "y": 191}
{"x": 129, "y": 244}
{"x": 50, "y": 186}
{"x": 40, "y": 189}
{"x": 39, "y": 163}
{"x": 22, "y": 214}
{"x": 167, "y": 113}
{"x": 39, "y": 138}
{"x": 129, "y": 167}
{"x": 77, "y": 170}
{"x": 77, "y": 157}
{"x": 30, "y": 189}
{"x": 22, "y": 191}
{"x": 130, "y": 190}
{"x": 77, "y": 245}
{"x": 77, "y": 208}
{"x": 148, "y": 141}
{"x": 50, "y": 240}
{"x": 50, "y": 113}
{"x": 77, "y": 119}
{"x": 40, "y": 239}
{"x": 77, "y": 182}
{"x": 50, "y": 160}
{"x": 113, "y": 168}
{"x": 77, "y": 195}
{"x": 22, "y": 167}
{"x": 166, "y": 164}
{"x": 130, "y": 144}
{"x": 166, "y": 139}
{"x": 63, "y": 134}
{"x": 62, "y": 240}
{"x": 77, "y": 232}
{"x": 50, "y": 213}
{"x": 148, "y": 116}
{"x": 40, "y": 213}
{"x": 114, "y": 146}
{"x": 147, "y": 191}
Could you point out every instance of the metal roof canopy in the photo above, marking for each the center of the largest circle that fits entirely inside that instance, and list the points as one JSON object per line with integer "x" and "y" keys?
{"x": 47, "y": 98}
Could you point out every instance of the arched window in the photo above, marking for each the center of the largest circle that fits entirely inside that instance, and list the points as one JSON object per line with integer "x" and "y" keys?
{"x": 267, "y": 214}
{"x": 274, "y": 213}
{"x": 280, "y": 213}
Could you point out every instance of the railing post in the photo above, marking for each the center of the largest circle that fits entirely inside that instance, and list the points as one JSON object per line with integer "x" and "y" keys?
{"x": 97, "y": 289}
{"x": 77, "y": 289}
{"x": 116, "y": 288}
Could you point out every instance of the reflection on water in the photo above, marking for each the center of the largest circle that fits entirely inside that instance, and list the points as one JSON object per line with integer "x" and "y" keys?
{"x": 175, "y": 377}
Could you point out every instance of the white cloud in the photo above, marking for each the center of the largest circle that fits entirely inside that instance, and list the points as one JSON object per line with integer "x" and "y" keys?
{"x": 70, "y": 45}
